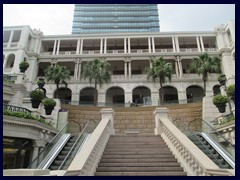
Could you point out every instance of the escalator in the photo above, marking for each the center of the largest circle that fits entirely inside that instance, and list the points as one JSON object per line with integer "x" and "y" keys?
{"x": 213, "y": 150}
{"x": 62, "y": 149}
{"x": 220, "y": 150}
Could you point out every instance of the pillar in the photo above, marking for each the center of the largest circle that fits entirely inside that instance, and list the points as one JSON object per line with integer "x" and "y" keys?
{"x": 153, "y": 45}
{"x": 79, "y": 70}
{"x": 177, "y": 44}
{"x": 173, "y": 44}
{"x": 125, "y": 69}
{"x": 176, "y": 68}
{"x": 149, "y": 45}
{"x": 159, "y": 113}
{"x": 198, "y": 45}
{"x": 78, "y": 46}
{"x": 101, "y": 46}
{"x": 105, "y": 45}
{"x": 130, "y": 69}
{"x": 58, "y": 47}
{"x": 129, "y": 45}
{"x": 76, "y": 70}
{"x": 81, "y": 47}
{"x": 54, "y": 47}
{"x": 201, "y": 40}
{"x": 128, "y": 97}
{"x": 10, "y": 39}
{"x": 125, "y": 45}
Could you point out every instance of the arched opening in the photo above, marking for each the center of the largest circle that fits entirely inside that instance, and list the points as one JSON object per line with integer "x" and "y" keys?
{"x": 194, "y": 94}
{"x": 10, "y": 61}
{"x": 216, "y": 90}
{"x": 170, "y": 94}
{"x": 87, "y": 96}
{"x": 141, "y": 95}
{"x": 115, "y": 97}
{"x": 64, "y": 94}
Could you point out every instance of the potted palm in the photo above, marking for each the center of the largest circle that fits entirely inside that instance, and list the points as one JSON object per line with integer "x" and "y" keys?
{"x": 220, "y": 102}
{"x": 231, "y": 92}
{"x": 49, "y": 105}
{"x": 36, "y": 96}
{"x": 23, "y": 66}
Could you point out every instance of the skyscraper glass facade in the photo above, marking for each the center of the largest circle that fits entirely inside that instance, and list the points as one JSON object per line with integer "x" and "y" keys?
{"x": 110, "y": 18}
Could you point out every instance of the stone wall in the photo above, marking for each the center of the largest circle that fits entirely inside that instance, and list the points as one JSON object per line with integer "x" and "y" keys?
{"x": 139, "y": 118}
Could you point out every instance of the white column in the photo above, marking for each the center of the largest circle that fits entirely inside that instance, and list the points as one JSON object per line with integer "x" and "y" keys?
{"x": 153, "y": 45}
{"x": 76, "y": 70}
{"x": 125, "y": 45}
{"x": 81, "y": 46}
{"x": 105, "y": 45}
{"x": 130, "y": 69}
{"x": 176, "y": 68}
{"x": 177, "y": 44}
{"x": 129, "y": 45}
{"x": 58, "y": 47}
{"x": 125, "y": 69}
{"x": 201, "y": 40}
{"x": 173, "y": 43}
{"x": 180, "y": 66}
{"x": 101, "y": 46}
{"x": 10, "y": 39}
{"x": 198, "y": 45}
{"x": 79, "y": 69}
{"x": 78, "y": 46}
{"x": 54, "y": 47}
{"x": 4, "y": 62}
{"x": 149, "y": 45}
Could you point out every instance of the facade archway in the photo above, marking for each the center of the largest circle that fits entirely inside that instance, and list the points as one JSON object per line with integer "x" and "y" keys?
{"x": 216, "y": 90}
{"x": 115, "y": 96}
{"x": 10, "y": 61}
{"x": 141, "y": 95}
{"x": 170, "y": 94}
{"x": 64, "y": 94}
{"x": 194, "y": 93}
{"x": 87, "y": 96}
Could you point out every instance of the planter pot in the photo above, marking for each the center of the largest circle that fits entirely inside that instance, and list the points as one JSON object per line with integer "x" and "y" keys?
{"x": 40, "y": 85}
{"x": 22, "y": 70}
{"x": 48, "y": 110}
{"x": 221, "y": 108}
{"x": 35, "y": 103}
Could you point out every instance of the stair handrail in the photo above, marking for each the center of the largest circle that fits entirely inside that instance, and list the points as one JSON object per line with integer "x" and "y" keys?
{"x": 70, "y": 151}
{"x": 45, "y": 148}
{"x": 220, "y": 172}
{"x": 194, "y": 134}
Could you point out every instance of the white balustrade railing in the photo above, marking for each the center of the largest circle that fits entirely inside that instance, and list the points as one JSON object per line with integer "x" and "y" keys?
{"x": 86, "y": 161}
{"x": 191, "y": 158}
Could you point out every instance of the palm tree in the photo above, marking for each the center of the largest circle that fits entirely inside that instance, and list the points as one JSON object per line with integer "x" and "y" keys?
{"x": 96, "y": 71}
{"x": 160, "y": 70}
{"x": 203, "y": 65}
{"x": 58, "y": 74}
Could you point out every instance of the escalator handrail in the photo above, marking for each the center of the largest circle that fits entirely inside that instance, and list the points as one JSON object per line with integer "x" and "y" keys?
{"x": 80, "y": 134}
{"x": 219, "y": 149}
{"x": 194, "y": 134}
{"x": 29, "y": 167}
{"x": 214, "y": 130}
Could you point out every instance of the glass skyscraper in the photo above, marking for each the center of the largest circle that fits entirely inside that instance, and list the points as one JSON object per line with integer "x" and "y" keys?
{"x": 119, "y": 18}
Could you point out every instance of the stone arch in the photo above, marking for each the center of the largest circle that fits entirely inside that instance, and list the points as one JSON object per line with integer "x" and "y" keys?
{"x": 170, "y": 94}
{"x": 115, "y": 96}
{"x": 64, "y": 94}
{"x": 141, "y": 95}
{"x": 87, "y": 96}
{"x": 194, "y": 93}
{"x": 10, "y": 61}
{"x": 216, "y": 89}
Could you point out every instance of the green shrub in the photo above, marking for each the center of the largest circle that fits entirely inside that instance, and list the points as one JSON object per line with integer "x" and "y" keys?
{"x": 49, "y": 102}
{"x": 231, "y": 90}
{"x": 220, "y": 99}
{"x": 37, "y": 94}
{"x": 24, "y": 64}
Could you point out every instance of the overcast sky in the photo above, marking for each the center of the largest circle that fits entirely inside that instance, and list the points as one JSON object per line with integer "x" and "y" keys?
{"x": 57, "y": 18}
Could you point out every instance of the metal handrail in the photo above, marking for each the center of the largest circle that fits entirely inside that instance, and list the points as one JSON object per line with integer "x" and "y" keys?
{"x": 219, "y": 149}
{"x": 194, "y": 134}
{"x": 214, "y": 130}
{"x": 45, "y": 148}
{"x": 70, "y": 151}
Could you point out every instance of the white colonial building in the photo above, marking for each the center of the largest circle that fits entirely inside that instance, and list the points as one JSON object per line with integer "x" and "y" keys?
{"x": 129, "y": 54}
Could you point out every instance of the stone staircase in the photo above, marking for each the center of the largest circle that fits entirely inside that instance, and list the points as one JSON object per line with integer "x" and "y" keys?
{"x": 138, "y": 155}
